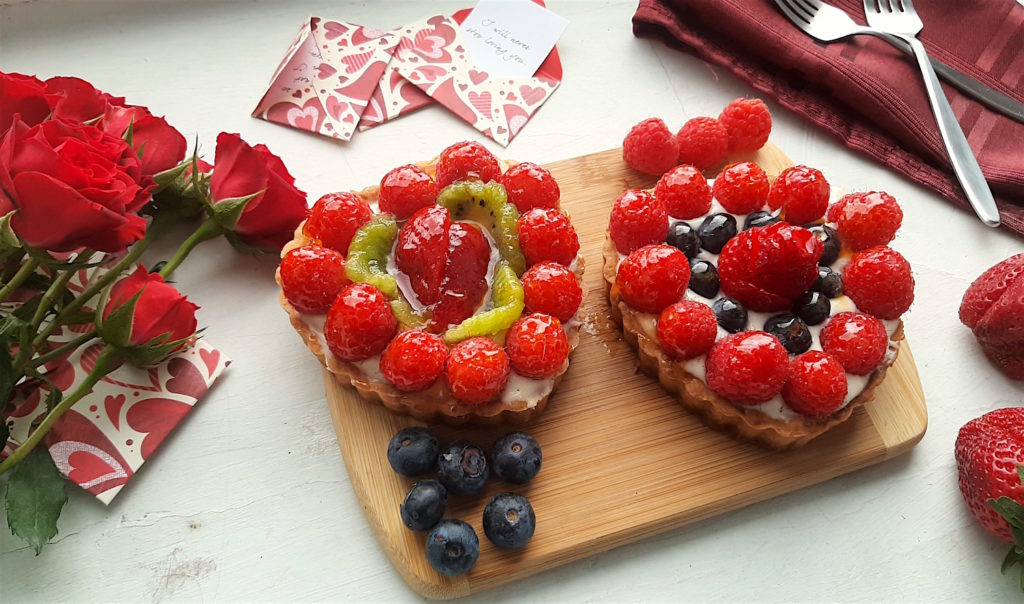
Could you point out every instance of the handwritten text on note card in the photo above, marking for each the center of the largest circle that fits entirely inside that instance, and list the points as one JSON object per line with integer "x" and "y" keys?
{"x": 511, "y": 37}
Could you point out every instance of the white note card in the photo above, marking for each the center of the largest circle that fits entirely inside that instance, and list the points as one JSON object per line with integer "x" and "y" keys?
{"x": 511, "y": 37}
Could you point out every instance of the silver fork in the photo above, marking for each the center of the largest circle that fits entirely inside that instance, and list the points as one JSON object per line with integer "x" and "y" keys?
{"x": 896, "y": 20}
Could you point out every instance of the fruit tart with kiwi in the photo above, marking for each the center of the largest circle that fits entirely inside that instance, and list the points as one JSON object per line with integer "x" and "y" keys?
{"x": 450, "y": 292}
{"x": 770, "y": 309}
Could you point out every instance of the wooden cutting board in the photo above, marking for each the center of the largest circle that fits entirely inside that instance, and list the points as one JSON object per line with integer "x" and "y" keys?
{"x": 622, "y": 460}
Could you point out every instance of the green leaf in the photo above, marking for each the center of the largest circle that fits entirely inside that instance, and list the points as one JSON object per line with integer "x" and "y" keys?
{"x": 1013, "y": 557}
{"x": 5, "y": 432}
{"x": 8, "y": 240}
{"x": 35, "y": 497}
{"x": 116, "y": 328}
{"x": 54, "y": 397}
{"x": 7, "y": 374}
{"x": 226, "y": 212}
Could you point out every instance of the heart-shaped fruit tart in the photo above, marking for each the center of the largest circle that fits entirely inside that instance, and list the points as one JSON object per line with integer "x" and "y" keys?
{"x": 770, "y": 312}
{"x": 451, "y": 292}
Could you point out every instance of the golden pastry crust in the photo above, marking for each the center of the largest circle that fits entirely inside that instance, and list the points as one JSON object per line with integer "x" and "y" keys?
{"x": 739, "y": 422}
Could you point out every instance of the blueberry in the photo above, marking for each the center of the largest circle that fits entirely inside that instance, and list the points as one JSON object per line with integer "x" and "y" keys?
{"x": 516, "y": 458}
{"x": 704, "y": 278}
{"x": 828, "y": 282}
{"x": 509, "y": 520}
{"x": 413, "y": 451}
{"x": 830, "y": 241}
{"x": 462, "y": 468}
{"x": 682, "y": 237}
{"x": 452, "y": 547}
{"x": 731, "y": 316}
{"x": 715, "y": 231}
{"x": 424, "y": 505}
{"x": 813, "y": 307}
{"x": 760, "y": 218}
{"x": 791, "y": 331}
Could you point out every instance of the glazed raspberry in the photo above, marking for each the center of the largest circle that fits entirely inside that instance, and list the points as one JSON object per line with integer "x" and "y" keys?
{"x": 816, "y": 385}
{"x": 360, "y": 323}
{"x": 741, "y": 188}
{"x": 335, "y": 218}
{"x": 650, "y": 147}
{"x": 466, "y": 160}
{"x": 413, "y": 360}
{"x": 748, "y": 123}
{"x": 638, "y": 218}
{"x": 547, "y": 235}
{"x": 703, "y": 142}
{"x": 802, "y": 192}
{"x": 866, "y": 219}
{"x": 552, "y": 289}
{"x": 405, "y": 190}
{"x": 769, "y": 268}
{"x": 312, "y": 276}
{"x": 685, "y": 193}
{"x": 529, "y": 186}
{"x": 687, "y": 329}
{"x": 537, "y": 346}
{"x": 879, "y": 282}
{"x": 857, "y": 340}
{"x": 653, "y": 277}
{"x": 477, "y": 370}
{"x": 747, "y": 368}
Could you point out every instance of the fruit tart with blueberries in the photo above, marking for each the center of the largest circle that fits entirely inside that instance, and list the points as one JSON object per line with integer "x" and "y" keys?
{"x": 771, "y": 309}
{"x": 450, "y": 292}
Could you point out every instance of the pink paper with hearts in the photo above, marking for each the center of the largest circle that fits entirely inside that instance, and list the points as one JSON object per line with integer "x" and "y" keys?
{"x": 327, "y": 77}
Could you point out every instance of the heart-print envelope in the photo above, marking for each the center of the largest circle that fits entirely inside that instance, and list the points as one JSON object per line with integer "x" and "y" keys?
{"x": 326, "y": 78}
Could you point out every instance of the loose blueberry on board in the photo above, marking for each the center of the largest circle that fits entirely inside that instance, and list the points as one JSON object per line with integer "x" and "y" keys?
{"x": 830, "y": 241}
{"x": 462, "y": 468}
{"x": 791, "y": 331}
{"x": 829, "y": 282}
{"x": 509, "y": 520}
{"x": 452, "y": 547}
{"x": 682, "y": 237}
{"x": 731, "y": 315}
{"x": 760, "y": 218}
{"x": 516, "y": 458}
{"x": 424, "y": 505}
{"x": 716, "y": 231}
{"x": 704, "y": 278}
{"x": 413, "y": 451}
{"x": 813, "y": 307}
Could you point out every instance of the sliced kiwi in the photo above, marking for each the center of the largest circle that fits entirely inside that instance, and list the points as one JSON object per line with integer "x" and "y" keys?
{"x": 487, "y": 204}
{"x": 407, "y": 317}
{"x": 367, "y": 260}
{"x": 507, "y": 301}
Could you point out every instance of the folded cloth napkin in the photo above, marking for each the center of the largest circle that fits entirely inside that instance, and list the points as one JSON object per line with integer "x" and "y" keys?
{"x": 866, "y": 92}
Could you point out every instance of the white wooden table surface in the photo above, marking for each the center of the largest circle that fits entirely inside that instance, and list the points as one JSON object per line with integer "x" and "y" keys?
{"x": 249, "y": 499}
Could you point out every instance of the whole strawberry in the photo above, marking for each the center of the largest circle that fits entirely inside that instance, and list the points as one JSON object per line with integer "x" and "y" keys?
{"x": 990, "y": 462}
{"x": 992, "y": 307}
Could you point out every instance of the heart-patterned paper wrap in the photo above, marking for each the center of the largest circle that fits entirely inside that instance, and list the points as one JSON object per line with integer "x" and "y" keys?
{"x": 326, "y": 78}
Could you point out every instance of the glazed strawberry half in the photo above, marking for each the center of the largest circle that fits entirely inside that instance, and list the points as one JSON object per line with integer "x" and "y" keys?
{"x": 993, "y": 307}
{"x": 768, "y": 268}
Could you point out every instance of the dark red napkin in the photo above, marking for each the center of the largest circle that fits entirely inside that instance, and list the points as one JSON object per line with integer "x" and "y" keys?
{"x": 866, "y": 92}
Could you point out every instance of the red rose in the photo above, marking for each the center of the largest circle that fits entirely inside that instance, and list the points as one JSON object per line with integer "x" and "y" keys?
{"x": 161, "y": 315}
{"x": 78, "y": 100}
{"x": 269, "y": 220}
{"x": 25, "y": 96}
{"x": 72, "y": 186}
{"x": 161, "y": 145}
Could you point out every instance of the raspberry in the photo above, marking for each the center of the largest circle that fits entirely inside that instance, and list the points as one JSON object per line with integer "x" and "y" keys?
{"x": 768, "y": 268}
{"x": 802, "y": 192}
{"x": 638, "y": 218}
{"x": 988, "y": 288}
{"x": 687, "y": 329}
{"x": 552, "y": 289}
{"x": 857, "y": 340}
{"x": 547, "y": 235}
{"x": 537, "y": 346}
{"x": 703, "y": 142}
{"x": 466, "y": 160}
{"x": 650, "y": 147}
{"x": 741, "y": 188}
{"x": 477, "y": 370}
{"x": 866, "y": 219}
{"x": 422, "y": 250}
{"x": 335, "y": 218}
{"x": 360, "y": 323}
{"x": 653, "y": 277}
{"x": 405, "y": 190}
{"x": 747, "y": 368}
{"x": 311, "y": 277}
{"x": 748, "y": 123}
{"x": 879, "y": 282}
{"x": 685, "y": 193}
{"x": 529, "y": 186}
{"x": 816, "y": 385}
{"x": 413, "y": 360}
